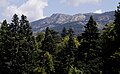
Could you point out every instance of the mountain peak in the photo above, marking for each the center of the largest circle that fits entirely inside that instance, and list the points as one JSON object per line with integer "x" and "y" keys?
{"x": 59, "y": 14}
{"x": 58, "y": 20}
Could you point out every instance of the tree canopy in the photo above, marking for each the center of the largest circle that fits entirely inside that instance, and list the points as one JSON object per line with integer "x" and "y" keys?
{"x": 51, "y": 52}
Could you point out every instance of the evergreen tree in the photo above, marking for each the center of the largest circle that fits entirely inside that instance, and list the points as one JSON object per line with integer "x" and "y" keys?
{"x": 26, "y": 46}
{"x": 48, "y": 43}
{"x": 111, "y": 45}
{"x": 14, "y": 26}
{"x": 39, "y": 39}
{"x": 73, "y": 70}
{"x": 64, "y": 32}
{"x": 71, "y": 47}
{"x": 4, "y": 53}
{"x": 56, "y": 36}
{"x": 49, "y": 65}
{"x": 10, "y": 46}
{"x": 48, "y": 53}
{"x": 117, "y": 27}
{"x": 68, "y": 52}
{"x": 89, "y": 49}
{"x": 18, "y": 47}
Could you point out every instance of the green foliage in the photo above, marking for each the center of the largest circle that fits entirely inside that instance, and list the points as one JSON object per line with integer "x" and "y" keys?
{"x": 54, "y": 53}
{"x": 64, "y": 32}
{"x": 39, "y": 70}
{"x": 49, "y": 43}
{"x": 74, "y": 71}
{"x": 111, "y": 45}
{"x": 49, "y": 66}
{"x": 17, "y": 47}
{"x": 88, "y": 49}
{"x": 108, "y": 38}
{"x": 39, "y": 39}
{"x": 68, "y": 51}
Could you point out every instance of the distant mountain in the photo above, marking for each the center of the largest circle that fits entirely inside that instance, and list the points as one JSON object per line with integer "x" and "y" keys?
{"x": 58, "y": 21}
{"x": 0, "y": 24}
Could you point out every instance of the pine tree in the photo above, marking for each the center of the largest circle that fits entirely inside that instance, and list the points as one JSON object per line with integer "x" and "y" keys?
{"x": 71, "y": 47}
{"x": 64, "y": 32}
{"x": 4, "y": 47}
{"x": 88, "y": 50}
{"x": 111, "y": 45}
{"x": 15, "y": 24}
{"x": 17, "y": 47}
{"x": 48, "y": 43}
{"x": 67, "y": 54}
{"x": 117, "y": 27}
{"x": 107, "y": 41}
{"x": 73, "y": 70}
{"x": 26, "y": 45}
{"x": 39, "y": 39}
{"x": 10, "y": 46}
{"x": 49, "y": 65}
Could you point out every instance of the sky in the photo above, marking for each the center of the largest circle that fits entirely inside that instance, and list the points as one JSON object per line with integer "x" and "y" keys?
{"x": 38, "y": 9}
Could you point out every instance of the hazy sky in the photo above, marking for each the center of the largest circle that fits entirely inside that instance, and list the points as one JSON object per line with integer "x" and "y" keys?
{"x": 36, "y": 9}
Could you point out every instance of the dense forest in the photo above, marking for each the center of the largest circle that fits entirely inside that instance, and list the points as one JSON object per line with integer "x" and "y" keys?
{"x": 50, "y": 52}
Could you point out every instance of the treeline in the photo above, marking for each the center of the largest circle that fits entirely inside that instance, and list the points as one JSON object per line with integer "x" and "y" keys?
{"x": 92, "y": 52}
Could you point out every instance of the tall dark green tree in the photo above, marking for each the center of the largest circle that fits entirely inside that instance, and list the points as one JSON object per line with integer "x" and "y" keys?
{"x": 115, "y": 57}
{"x": 4, "y": 53}
{"x": 117, "y": 27}
{"x": 39, "y": 39}
{"x": 109, "y": 50}
{"x": 18, "y": 47}
{"x": 49, "y": 64}
{"x": 64, "y": 32}
{"x": 68, "y": 54}
{"x": 48, "y": 43}
{"x": 15, "y": 24}
{"x": 107, "y": 40}
{"x": 71, "y": 47}
{"x": 89, "y": 48}
{"x": 26, "y": 45}
{"x": 111, "y": 45}
{"x": 10, "y": 46}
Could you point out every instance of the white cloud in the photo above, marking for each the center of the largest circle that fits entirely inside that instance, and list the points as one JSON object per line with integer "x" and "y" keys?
{"x": 98, "y": 11}
{"x": 33, "y": 9}
{"x": 3, "y": 3}
{"x": 78, "y": 2}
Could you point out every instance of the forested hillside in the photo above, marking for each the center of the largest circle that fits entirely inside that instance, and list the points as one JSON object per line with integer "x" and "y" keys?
{"x": 50, "y": 52}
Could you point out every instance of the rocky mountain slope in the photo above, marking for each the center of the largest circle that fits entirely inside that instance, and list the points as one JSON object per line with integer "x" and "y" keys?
{"x": 59, "y": 21}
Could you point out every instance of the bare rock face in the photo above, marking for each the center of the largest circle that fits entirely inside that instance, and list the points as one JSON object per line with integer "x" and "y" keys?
{"x": 61, "y": 18}
{"x": 78, "y": 17}
{"x": 58, "y": 21}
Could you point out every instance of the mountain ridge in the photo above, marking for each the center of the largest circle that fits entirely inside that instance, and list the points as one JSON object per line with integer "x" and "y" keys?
{"x": 57, "y": 21}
